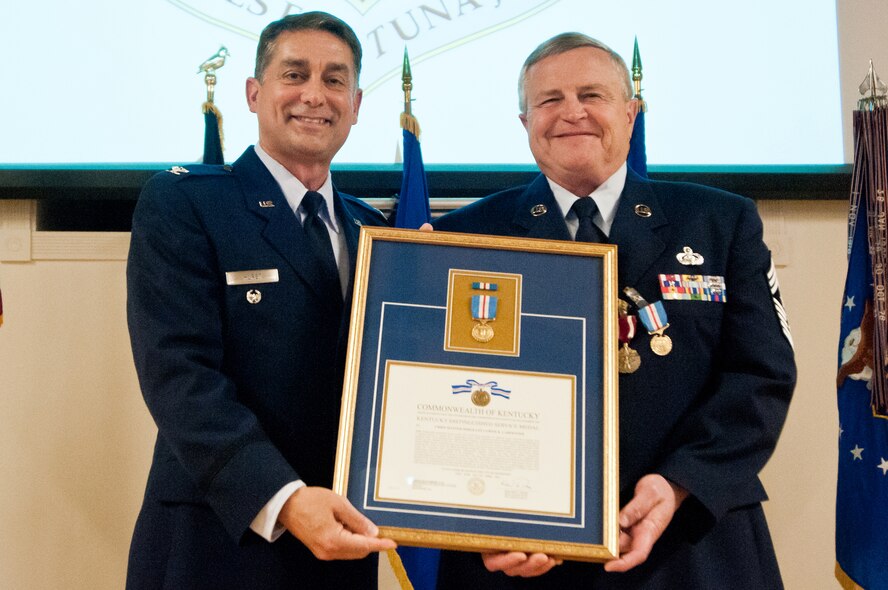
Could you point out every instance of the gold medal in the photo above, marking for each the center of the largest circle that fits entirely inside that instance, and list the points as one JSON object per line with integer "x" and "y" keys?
{"x": 661, "y": 344}
{"x": 482, "y": 332}
{"x": 628, "y": 359}
{"x": 480, "y": 398}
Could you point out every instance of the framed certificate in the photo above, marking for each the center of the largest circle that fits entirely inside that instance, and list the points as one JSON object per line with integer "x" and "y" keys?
{"x": 480, "y": 398}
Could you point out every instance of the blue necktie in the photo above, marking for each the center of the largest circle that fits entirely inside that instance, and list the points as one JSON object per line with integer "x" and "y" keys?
{"x": 320, "y": 249}
{"x": 585, "y": 209}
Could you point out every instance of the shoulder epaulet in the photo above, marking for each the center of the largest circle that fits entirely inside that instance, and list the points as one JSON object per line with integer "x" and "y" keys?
{"x": 361, "y": 204}
{"x": 200, "y": 170}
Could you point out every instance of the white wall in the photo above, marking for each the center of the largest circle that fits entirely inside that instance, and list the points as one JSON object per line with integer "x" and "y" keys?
{"x": 809, "y": 243}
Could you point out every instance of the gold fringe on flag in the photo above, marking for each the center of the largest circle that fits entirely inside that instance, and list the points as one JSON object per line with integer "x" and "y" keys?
{"x": 844, "y": 581}
{"x": 210, "y": 107}
{"x": 410, "y": 123}
{"x": 397, "y": 564}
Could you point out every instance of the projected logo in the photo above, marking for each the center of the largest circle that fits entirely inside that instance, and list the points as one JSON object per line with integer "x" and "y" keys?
{"x": 363, "y": 6}
{"x": 384, "y": 27}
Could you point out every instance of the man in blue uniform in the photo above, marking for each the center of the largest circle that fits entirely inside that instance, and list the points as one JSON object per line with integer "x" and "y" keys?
{"x": 239, "y": 282}
{"x": 699, "y": 418}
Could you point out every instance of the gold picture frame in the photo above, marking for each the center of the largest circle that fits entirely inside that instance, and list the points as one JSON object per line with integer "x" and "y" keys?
{"x": 477, "y": 439}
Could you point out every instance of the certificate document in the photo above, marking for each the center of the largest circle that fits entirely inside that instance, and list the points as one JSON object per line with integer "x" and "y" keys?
{"x": 479, "y": 407}
{"x": 470, "y": 437}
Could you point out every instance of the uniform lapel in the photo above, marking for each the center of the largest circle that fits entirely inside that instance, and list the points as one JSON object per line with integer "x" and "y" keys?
{"x": 350, "y": 225}
{"x": 538, "y": 214}
{"x": 282, "y": 231}
{"x": 635, "y": 235}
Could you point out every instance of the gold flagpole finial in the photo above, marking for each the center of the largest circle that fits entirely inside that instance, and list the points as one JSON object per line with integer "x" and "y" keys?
{"x": 408, "y": 121}
{"x": 210, "y": 66}
{"x": 406, "y": 81}
{"x": 637, "y": 76}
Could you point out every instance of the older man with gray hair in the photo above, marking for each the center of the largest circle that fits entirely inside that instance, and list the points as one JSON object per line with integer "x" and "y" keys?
{"x": 705, "y": 392}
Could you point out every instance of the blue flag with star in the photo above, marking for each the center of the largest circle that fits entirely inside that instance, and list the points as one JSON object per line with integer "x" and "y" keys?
{"x": 862, "y": 490}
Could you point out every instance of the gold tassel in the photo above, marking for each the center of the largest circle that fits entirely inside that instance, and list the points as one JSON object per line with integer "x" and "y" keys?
{"x": 393, "y": 557}
{"x": 844, "y": 581}
{"x": 410, "y": 123}
{"x": 209, "y": 107}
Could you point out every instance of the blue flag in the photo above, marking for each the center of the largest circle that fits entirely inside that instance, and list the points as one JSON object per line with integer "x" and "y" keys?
{"x": 862, "y": 490}
{"x": 212, "y": 153}
{"x": 417, "y": 567}
{"x": 413, "y": 203}
{"x": 637, "y": 159}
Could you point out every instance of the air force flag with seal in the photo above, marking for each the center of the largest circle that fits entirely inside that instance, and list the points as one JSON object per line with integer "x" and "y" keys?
{"x": 862, "y": 487}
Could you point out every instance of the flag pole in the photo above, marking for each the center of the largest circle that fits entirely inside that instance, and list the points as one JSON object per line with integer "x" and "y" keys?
{"x": 408, "y": 121}
{"x": 637, "y": 159}
{"x": 413, "y": 201}
{"x": 415, "y": 568}
{"x": 213, "y": 136}
{"x": 637, "y": 75}
{"x": 862, "y": 376}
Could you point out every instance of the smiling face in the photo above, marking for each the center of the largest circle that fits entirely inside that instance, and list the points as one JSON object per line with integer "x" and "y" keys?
{"x": 579, "y": 119}
{"x": 306, "y": 101}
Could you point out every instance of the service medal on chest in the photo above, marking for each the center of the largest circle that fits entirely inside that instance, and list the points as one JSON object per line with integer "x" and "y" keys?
{"x": 628, "y": 360}
{"x": 653, "y": 316}
{"x": 661, "y": 344}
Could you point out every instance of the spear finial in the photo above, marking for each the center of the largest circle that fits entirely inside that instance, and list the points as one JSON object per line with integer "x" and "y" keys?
{"x": 408, "y": 121}
{"x": 874, "y": 92}
{"x": 406, "y": 82}
{"x": 637, "y": 76}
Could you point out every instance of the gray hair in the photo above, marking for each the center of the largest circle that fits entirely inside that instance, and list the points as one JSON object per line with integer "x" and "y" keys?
{"x": 562, "y": 44}
{"x": 306, "y": 21}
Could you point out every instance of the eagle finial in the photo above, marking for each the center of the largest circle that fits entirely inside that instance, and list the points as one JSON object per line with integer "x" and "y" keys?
{"x": 210, "y": 66}
{"x": 215, "y": 62}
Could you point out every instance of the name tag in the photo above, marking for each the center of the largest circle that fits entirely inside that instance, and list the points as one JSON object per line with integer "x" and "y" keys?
{"x": 252, "y": 277}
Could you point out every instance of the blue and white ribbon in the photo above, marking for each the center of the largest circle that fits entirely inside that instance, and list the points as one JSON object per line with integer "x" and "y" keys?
{"x": 653, "y": 316}
{"x": 484, "y": 286}
{"x": 471, "y": 385}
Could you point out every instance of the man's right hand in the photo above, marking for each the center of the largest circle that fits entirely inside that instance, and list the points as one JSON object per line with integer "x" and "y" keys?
{"x": 330, "y": 526}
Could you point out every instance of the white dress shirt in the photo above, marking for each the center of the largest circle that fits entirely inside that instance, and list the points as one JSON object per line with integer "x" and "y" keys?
{"x": 606, "y": 196}
{"x": 266, "y": 523}
{"x": 294, "y": 191}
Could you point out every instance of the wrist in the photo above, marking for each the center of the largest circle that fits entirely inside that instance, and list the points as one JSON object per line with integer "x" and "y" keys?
{"x": 680, "y": 493}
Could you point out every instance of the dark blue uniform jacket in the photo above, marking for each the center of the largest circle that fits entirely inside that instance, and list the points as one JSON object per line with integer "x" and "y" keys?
{"x": 706, "y": 416}
{"x": 245, "y": 395}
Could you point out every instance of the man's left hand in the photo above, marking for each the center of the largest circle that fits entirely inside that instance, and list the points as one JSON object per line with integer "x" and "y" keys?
{"x": 644, "y": 519}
